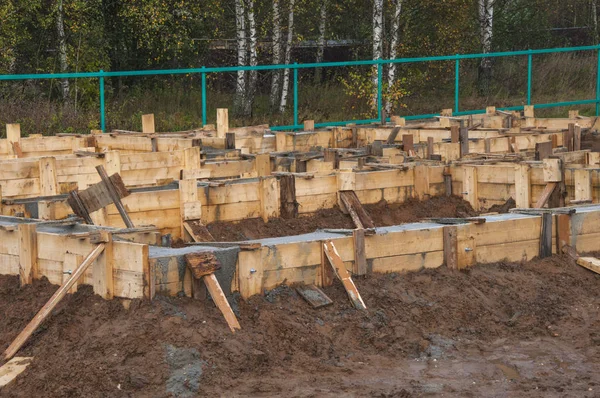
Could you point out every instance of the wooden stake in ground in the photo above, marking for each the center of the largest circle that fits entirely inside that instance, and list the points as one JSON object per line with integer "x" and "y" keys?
{"x": 54, "y": 300}
{"x": 342, "y": 273}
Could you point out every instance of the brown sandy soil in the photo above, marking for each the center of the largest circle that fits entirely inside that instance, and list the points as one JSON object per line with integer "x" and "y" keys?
{"x": 383, "y": 214}
{"x": 497, "y": 330}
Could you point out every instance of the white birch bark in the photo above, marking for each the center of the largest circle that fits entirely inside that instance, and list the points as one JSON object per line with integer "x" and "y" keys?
{"x": 486, "y": 21}
{"x": 288, "y": 58}
{"x": 276, "y": 53}
{"x": 253, "y": 59}
{"x": 377, "y": 41}
{"x": 240, "y": 25}
{"x": 62, "y": 49}
{"x": 395, "y": 32}
{"x": 321, "y": 40}
{"x": 595, "y": 19}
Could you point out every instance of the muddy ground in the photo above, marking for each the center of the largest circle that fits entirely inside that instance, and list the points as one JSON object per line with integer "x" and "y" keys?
{"x": 383, "y": 214}
{"x": 506, "y": 329}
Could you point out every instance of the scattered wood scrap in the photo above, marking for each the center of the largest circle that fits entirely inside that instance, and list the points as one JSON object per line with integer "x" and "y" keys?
{"x": 343, "y": 275}
{"x": 591, "y": 263}
{"x": 359, "y": 215}
{"x": 198, "y": 231}
{"x": 203, "y": 265}
{"x": 10, "y": 370}
{"x": 314, "y": 296}
{"x": 62, "y": 291}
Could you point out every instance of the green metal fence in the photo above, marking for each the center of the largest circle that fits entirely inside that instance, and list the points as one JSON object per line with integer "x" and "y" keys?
{"x": 101, "y": 75}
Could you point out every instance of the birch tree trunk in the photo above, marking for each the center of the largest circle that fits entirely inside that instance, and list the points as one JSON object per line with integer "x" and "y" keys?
{"x": 62, "y": 49}
{"x": 240, "y": 87}
{"x": 253, "y": 60}
{"x": 377, "y": 42}
{"x": 276, "y": 53}
{"x": 395, "y": 31}
{"x": 288, "y": 58}
{"x": 595, "y": 20}
{"x": 321, "y": 41}
{"x": 486, "y": 21}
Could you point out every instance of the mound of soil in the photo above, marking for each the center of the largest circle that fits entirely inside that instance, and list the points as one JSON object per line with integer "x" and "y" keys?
{"x": 383, "y": 214}
{"x": 495, "y": 330}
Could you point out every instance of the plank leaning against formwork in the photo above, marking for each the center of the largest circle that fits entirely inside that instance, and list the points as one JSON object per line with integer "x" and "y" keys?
{"x": 342, "y": 273}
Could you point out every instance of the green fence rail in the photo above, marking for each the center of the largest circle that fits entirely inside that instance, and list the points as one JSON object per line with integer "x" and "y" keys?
{"x": 101, "y": 75}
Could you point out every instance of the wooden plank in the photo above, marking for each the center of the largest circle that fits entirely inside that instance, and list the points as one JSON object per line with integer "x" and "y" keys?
{"x": 222, "y": 122}
{"x": 16, "y": 345}
{"x": 552, "y": 170}
{"x": 563, "y": 231}
{"x": 13, "y": 368}
{"x": 115, "y": 195}
{"x": 543, "y": 150}
{"x": 28, "y": 251}
{"x": 451, "y": 247}
{"x": 314, "y": 296}
{"x": 359, "y": 215}
{"x": 546, "y": 236}
{"x": 464, "y": 140}
{"x": 287, "y": 189}
{"x": 212, "y": 284}
{"x": 470, "y": 186}
{"x": 583, "y": 184}
{"x": 48, "y": 185}
{"x": 393, "y": 134}
{"x": 262, "y": 164}
{"x": 360, "y": 258}
{"x": 342, "y": 273}
{"x": 550, "y": 187}
{"x": 202, "y": 263}
{"x": 522, "y": 186}
{"x": 103, "y": 269}
{"x": 13, "y": 134}
{"x": 407, "y": 143}
{"x": 422, "y": 182}
{"x": 591, "y": 263}
{"x": 198, "y": 231}
{"x": 148, "y": 124}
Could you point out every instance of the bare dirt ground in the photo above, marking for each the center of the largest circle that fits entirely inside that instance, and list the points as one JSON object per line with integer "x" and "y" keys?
{"x": 505, "y": 329}
{"x": 383, "y": 214}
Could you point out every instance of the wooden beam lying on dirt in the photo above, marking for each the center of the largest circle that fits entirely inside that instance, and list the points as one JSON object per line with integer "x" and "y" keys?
{"x": 62, "y": 291}
{"x": 359, "y": 215}
{"x": 198, "y": 232}
{"x": 212, "y": 284}
{"x": 314, "y": 296}
{"x": 10, "y": 370}
{"x": 342, "y": 273}
{"x": 591, "y": 263}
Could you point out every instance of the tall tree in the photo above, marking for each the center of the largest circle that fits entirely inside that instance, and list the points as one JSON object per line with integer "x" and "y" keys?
{"x": 253, "y": 59}
{"x": 240, "y": 27}
{"x": 486, "y": 23}
{"x": 394, "y": 34}
{"x": 377, "y": 41}
{"x": 321, "y": 41}
{"x": 276, "y": 53}
{"x": 62, "y": 48}
{"x": 288, "y": 57}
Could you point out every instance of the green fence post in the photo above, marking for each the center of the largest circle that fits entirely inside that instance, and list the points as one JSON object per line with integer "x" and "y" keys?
{"x": 598, "y": 84}
{"x": 456, "y": 83}
{"x": 379, "y": 89}
{"x": 529, "y": 73}
{"x": 295, "y": 95}
{"x": 102, "y": 110}
{"x": 203, "y": 97}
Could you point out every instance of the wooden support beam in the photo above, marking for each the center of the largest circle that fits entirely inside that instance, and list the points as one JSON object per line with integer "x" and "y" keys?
{"x": 342, "y": 273}
{"x": 115, "y": 196}
{"x": 359, "y": 215}
{"x": 568, "y": 138}
{"x": 222, "y": 122}
{"x": 28, "y": 253}
{"x": 421, "y": 179}
{"x": 583, "y": 184}
{"x": 407, "y": 143}
{"x": 17, "y": 149}
{"x": 16, "y": 345}
{"x": 326, "y": 274}
{"x": 229, "y": 140}
{"x": 197, "y": 231}
{"x": 48, "y": 184}
{"x": 13, "y": 134}
{"x": 397, "y": 120}
{"x": 103, "y": 269}
{"x": 360, "y": 258}
{"x": 591, "y": 263}
{"x": 430, "y": 147}
{"x": 269, "y": 198}
{"x": 70, "y": 264}
{"x": 262, "y": 164}
{"x": 281, "y": 141}
{"x": 550, "y": 187}
{"x": 212, "y": 284}
{"x": 577, "y": 138}
{"x": 112, "y": 162}
{"x": 202, "y": 263}
{"x": 543, "y": 150}
{"x": 454, "y": 134}
{"x": 528, "y": 111}
{"x": 289, "y": 205}
{"x": 563, "y": 231}
{"x": 451, "y": 246}
{"x": 552, "y": 170}
{"x": 546, "y": 236}
{"x": 464, "y": 139}
{"x": 314, "y": 296}
{"x": 522, "y": 186}
{"x": 309, "y": 125}
{"x": 10, "y": 370}
{"x": 148, "y": 124}
{"x": 470, "y": 189}
{"x": 393, "y": 134}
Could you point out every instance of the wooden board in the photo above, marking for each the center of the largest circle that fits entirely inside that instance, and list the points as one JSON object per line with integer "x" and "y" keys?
{"x": 221, "y": 301}
{"x": 10, "y": 370}
{"x": 591, "y": 263}
{"x": 342, "y": 273}
{"x": 202, "y": 263}
{"x": 314, "y": 296}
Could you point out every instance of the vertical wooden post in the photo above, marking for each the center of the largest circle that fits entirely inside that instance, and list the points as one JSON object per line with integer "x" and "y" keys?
{"x": 112, "y": 162}
{"x": 407, "y": 143}
{"x": 454, "y": 134}
{"x": 528, "y": 111}
{"x": 103, "y": 270}
{"x": 577, "y": 138}
{"x": 191, "y": 158}
{"x": 13, "y": 135}
{"x": 464, "y": 139}
{"x": 229, "y": 140}
{"x": 28, "y": 253}
{"x": 331, "y": 155}
{"x": 360, "y": 258}
{"x": 573, "y": 114}
{"x": 448, "y": 181}
{"x": 262, "y": 164}
{"x": 421, "y": 181}
{"x": 563, "y": 231}
{"x": 429, "y": 147}
{"x": 309, "y": 125}
{"x": 280, "y": 141}
{"x": 451, "y": 246}
{"x": 470, "y": 186}
{"x": 568, "y": 137}
{"x": 522, "y": 186}
{"x": 70, "y": 264}
{"x": 546, "y": 236}
{"x": 189, "y": 204}
{"x": 48, "y": 184}
{"x": 289, "y": 206}
{"x": 148, "y": 124}
{"x": 583, "y": 184}
{"x": 222, "y": 122}
{"x": 100, "y": 217}
{"x": 398, "y": 121}
{"x": 269, "y": 198}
